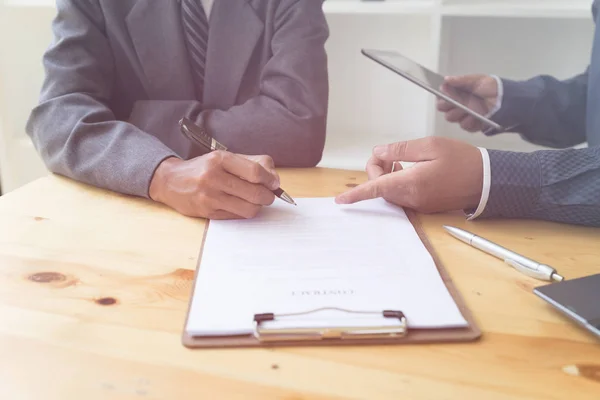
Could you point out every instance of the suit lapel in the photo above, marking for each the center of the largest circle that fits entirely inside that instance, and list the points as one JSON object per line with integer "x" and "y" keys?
{"x": 233, "y": 34}
{"x": 156, "y": 33}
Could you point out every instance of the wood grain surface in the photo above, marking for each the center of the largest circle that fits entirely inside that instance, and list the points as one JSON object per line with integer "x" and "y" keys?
{"x": 94, "y": 288}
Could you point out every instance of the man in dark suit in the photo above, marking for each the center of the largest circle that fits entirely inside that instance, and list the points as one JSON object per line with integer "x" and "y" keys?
{"x": 556, "y": 185}
{"x": 121, "y": 74}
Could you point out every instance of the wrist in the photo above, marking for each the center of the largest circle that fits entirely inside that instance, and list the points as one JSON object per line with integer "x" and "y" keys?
{"x": 497, "y": 102}
{"x": 518, "y": 102}
{"x": 161, "y": 177}
{"x": 473, "y": 201}
{"x": 515, "y": 186}
{"x": 478, "y": 203}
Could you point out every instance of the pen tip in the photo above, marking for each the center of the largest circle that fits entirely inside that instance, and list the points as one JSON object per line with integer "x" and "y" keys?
{"x": 287, "y": 198}
{"x": 557, "y": 278}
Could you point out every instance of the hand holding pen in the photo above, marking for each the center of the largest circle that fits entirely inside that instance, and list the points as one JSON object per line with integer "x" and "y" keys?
{"x": 199, "y": 136}
{"x": 216, "y": 185}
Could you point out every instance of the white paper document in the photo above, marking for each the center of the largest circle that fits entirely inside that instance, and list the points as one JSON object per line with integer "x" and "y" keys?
{"x": 362, "y": 257}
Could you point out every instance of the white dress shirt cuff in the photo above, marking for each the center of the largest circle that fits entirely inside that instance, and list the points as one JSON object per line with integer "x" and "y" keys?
{"x": 498, "y": 105}
{"x": 487, "y": 182}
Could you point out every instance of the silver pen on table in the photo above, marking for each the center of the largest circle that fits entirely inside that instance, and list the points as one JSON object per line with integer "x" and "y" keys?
{"x": 520, "y": 263}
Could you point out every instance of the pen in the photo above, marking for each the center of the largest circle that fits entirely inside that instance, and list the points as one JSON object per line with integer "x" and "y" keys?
{"x": 198, "y": 135}
{"x": 522, "y": 264}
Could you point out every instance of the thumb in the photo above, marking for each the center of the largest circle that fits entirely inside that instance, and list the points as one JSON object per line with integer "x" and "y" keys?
{"x": 466, "y": 82}
{"x": 411, "y": 151}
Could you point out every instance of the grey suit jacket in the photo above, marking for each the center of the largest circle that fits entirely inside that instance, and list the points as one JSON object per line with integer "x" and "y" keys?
{"x": 556, "y": 185}
{"x": 118, "y": 80}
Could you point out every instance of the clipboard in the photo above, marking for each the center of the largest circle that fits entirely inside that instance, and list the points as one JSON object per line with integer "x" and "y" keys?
{"x": 400, "y": 334}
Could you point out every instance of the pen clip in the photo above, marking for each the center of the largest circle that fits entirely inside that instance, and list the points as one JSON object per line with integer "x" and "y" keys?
{"x": 527, "y": 271}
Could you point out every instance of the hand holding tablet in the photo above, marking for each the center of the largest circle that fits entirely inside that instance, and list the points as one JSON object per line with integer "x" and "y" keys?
{"x": 456, "y": 94}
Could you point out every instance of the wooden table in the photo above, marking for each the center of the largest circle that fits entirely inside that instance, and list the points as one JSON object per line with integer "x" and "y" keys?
{"x": 94, "y": 288}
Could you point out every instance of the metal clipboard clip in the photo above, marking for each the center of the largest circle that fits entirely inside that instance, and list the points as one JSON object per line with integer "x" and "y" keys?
{"x": 199, "y": 136}
{"x": 269, "y": 334}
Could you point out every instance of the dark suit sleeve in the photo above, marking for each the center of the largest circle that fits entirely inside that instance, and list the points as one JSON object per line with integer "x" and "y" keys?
{"x": 75, "y": 132}
{"x": 287, "y": 119}
{"x": 554, "y": 185}
{"x": 545, "y": 110}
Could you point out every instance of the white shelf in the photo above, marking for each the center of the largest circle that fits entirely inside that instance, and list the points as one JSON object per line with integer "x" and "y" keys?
{"x": 533, "y": 9}
{"x": 467, "y": 8}
{"x": 353, "y": 153}
{"x": 378, "y": 7}
{"x": 351, "y": 157}
{"x": 458, "y": 8}
{"x": 28, "y": 3}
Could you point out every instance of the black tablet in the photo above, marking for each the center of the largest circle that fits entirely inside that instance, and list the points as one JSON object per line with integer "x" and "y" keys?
{"x": 427, "y": 80}
{"x": 578, "y": 299}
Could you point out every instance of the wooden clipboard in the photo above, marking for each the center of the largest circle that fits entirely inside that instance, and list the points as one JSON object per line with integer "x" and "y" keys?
{"x": 413, "y": 336}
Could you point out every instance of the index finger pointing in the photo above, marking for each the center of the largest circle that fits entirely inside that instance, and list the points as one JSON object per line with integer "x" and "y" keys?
{"x": 392, "y": 187}
{"x": 366, "y": 191}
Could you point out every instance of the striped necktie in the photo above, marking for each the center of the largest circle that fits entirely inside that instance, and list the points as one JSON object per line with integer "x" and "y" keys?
{"x": 195, "y": 27}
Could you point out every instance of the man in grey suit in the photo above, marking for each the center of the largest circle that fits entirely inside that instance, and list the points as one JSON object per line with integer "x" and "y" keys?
{"x": 556, "y": 185}
{"x": 121, "y": 74}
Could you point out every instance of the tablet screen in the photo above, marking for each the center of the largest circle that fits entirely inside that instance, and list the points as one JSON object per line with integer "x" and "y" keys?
{"x": 578, "y": 298}
{"x": 409, "y": 67}
{"x": 432, "y": 82}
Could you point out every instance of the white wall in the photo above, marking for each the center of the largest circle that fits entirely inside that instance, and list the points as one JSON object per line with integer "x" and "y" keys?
{"x": 368, "y": 104}
{"x": 24, "y": 35}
